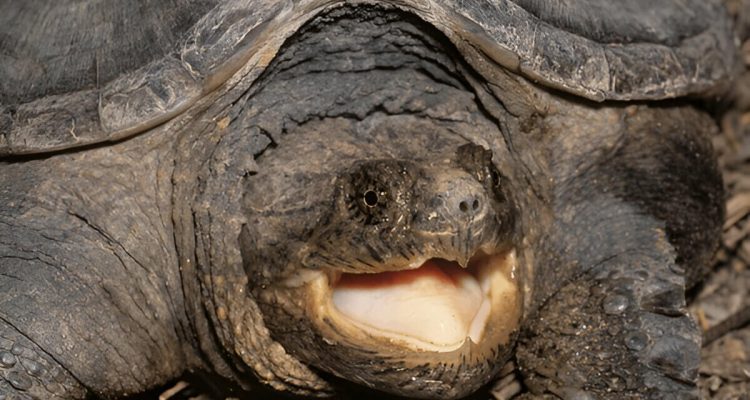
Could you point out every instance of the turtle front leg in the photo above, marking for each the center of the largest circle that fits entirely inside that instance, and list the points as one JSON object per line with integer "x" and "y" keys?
{"x": 638, "y": 215}
{"x": 620, "y": 331}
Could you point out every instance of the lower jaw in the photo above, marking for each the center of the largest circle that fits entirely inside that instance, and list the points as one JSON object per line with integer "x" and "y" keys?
{"x": 324, "y": 338}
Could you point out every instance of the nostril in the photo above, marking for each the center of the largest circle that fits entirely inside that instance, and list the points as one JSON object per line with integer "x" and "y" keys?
{"x": 466, "y": 208}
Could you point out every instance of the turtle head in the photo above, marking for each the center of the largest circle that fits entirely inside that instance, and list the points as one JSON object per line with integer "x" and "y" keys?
{"x": 391, "y": 214}
{"x": 406, "y": 282}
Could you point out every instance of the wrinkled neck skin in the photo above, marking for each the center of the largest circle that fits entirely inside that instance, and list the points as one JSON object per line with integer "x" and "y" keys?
{"x": 369, "y": 145}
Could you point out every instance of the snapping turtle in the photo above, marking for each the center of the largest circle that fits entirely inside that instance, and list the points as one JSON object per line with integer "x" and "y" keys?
{"x": 403, "y": 194}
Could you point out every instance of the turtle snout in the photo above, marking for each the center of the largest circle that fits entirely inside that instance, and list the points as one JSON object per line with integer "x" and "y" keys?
{"x": 459, "y": 218}
{"x": 461, "y": 198}
{"x": 471, "y": 205}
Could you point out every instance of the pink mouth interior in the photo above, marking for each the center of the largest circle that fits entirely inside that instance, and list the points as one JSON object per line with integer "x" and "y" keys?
{"x": 439, "y": 303}
{"x": 438, "y": 270}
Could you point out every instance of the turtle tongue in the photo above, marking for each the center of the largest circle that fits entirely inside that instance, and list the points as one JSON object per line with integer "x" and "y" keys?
{"x": 435, "y": 303}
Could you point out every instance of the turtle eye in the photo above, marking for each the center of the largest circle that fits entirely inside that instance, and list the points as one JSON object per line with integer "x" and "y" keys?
{"x": 370, "y": 198}
{"x": 495, "y": 177}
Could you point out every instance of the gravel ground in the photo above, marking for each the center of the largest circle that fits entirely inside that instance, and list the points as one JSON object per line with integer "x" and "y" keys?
{"x": 725, "y": 368}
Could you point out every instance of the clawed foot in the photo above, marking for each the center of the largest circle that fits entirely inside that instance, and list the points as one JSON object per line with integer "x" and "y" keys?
{"x": 619, "y": 333}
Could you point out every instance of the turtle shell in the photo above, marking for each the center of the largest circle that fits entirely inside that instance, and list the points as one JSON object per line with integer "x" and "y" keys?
{"x": 77, "y": 73}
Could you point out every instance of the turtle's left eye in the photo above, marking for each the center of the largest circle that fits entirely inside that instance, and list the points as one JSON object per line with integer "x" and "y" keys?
{"x": 495, "y": 177}
{"x": 370, "y": 198}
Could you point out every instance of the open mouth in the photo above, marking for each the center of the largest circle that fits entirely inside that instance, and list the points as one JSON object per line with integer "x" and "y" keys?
{"x": 435, "y": 305}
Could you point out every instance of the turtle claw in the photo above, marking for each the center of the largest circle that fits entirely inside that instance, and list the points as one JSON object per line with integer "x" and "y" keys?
{"x": 620, "y": 335}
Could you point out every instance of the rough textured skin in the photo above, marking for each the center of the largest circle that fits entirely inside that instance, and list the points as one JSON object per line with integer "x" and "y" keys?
{"x": 66, "y": 84}
{"x": 125, "y": 264}
{"x": 71, "y": 239}
{"x": 636, "y": 252}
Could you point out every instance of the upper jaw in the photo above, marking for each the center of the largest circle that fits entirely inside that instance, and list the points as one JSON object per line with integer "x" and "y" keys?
{"x": 405, "y": 249}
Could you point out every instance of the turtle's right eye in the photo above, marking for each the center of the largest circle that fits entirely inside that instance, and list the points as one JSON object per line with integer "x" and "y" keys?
{"x": 370, "y": 198}
{"x": 370, "y": 204}
{"x": 378, "y": 192}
